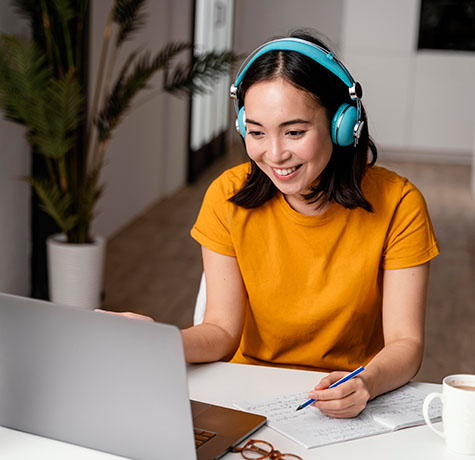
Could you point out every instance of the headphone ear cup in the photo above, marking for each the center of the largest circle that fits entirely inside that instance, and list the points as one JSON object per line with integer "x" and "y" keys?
{"x": 343, "y": 125}
{"x": 241, "y": 122}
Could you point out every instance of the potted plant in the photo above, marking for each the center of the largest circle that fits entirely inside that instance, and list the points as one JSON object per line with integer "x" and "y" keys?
{"x": 41, "y": 88}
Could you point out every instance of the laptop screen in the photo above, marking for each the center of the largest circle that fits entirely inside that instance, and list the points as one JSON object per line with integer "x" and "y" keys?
{"x": 93, "y": 379}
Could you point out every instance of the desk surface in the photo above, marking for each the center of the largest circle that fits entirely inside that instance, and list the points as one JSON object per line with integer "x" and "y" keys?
{"x": 233, "y": 382}
{"x": 224, "y": 384}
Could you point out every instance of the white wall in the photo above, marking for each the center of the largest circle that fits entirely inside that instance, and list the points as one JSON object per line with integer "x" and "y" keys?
{"x": 257, "y": 21}
{"x": 418, "y": 101}
{"x": 146, "y": 159}
{"x": 14, "y": 193}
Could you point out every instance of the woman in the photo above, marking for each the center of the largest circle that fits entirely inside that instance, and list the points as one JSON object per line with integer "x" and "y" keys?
{"x": 314, "y": 258}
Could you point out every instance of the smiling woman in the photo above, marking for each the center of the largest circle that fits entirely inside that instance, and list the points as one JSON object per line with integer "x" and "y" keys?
{"x": 288, "y": 137}
{"x": 320, "y": 84}
{"x": 315, "y": 258}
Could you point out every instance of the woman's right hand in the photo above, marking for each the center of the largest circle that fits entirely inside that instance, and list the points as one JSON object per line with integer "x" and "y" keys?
{"x": 344, "y": 401}
{"x": 127, "y": 314}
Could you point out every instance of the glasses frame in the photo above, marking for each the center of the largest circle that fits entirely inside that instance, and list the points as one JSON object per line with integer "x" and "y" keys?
{"x": 271, "y": 454}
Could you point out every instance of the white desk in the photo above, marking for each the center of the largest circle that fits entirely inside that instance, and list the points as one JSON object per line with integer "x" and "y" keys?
{"x": 224, "y": 384}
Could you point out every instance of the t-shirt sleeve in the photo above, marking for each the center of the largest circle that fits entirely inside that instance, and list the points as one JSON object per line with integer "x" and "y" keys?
{"x": 212, "y": 227}
{"x": 410, "y": 240}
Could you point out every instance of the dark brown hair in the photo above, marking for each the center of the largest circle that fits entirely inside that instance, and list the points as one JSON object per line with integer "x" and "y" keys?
{"x": 340, "y": 181}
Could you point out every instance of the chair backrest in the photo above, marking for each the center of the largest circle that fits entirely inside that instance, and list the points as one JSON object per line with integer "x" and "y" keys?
{"x": 200, "y": 304}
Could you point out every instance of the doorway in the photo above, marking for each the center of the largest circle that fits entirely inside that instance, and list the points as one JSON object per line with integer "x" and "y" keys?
{"x": 212, "y": 31}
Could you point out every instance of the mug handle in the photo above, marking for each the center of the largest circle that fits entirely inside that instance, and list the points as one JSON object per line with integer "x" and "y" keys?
{"x": 425, "y": 411}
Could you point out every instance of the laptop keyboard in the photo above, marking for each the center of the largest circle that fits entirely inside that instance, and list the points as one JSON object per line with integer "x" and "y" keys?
{"x": 202, "y": 436}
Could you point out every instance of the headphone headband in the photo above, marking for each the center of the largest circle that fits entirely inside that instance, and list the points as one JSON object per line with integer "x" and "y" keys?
{"x": 342, "y": 133}
{"x": 309, "y": 49}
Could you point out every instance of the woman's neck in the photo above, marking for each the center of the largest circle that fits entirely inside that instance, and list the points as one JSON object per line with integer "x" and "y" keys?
{"x": 302, "y": 206}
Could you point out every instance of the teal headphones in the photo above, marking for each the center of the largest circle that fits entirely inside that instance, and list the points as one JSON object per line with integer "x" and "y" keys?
{"x": 346, "y": 124}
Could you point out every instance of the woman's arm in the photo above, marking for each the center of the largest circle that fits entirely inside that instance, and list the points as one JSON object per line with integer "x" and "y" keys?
{"x": 404, "y": 298}
{"x": 219, "y": 335}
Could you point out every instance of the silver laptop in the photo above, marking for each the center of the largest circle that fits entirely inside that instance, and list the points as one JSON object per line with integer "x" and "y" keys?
{"x": 105, "y": 382}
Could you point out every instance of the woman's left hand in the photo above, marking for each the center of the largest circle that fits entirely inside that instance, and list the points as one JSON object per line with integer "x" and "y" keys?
{"x": 344, "y": 401}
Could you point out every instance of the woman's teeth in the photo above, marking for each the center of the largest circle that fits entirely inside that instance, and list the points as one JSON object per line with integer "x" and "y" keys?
{"x": 285, "y": 172}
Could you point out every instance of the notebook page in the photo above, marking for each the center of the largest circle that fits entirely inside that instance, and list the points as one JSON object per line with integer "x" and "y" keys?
{"x": 309, "y": 427}
{"x": 402, "y": 408}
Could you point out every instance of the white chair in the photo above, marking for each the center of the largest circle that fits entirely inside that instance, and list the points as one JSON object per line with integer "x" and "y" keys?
{"x": 200, "y": 304}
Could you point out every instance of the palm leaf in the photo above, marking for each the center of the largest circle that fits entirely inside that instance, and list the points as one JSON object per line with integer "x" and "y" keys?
{"x": 90, "y": 193}
{"x": 93, "y": 192}
{"x": 53, "y": 130}
{"x": 51, "y": 106}
{"x": 199, "y": 77}
{"x": 24, "y": 76}
{"x": 65, "y": 10}
{"x": 115, "y": 105}
{"x": 54, "y": 203}
{"x": 28, "y": 9}
{"x": 129, "y": 16}
{"x": 118, "y": 102}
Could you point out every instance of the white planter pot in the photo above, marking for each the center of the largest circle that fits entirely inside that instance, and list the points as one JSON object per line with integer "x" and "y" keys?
{"x": 75, "y": 271}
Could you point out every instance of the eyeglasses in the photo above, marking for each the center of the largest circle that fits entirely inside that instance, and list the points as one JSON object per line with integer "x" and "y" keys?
{"x": 259, "y": 450}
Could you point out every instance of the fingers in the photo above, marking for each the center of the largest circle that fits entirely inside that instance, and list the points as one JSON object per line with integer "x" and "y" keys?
{"x": 343, "y": 401}
{"x": 345, "y": 407}
{"x": 132, "y": 315}
{"x": 348, "y": 412}
{"x": 127, "y": 314}
{"x": 331, "y": 378}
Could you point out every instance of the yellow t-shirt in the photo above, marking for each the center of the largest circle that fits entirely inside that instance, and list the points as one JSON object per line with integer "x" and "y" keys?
{"x": 314, "y": 283}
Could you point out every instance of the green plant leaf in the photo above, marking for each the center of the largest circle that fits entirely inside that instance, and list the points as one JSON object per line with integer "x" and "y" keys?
{"x": 200, "y": 75}
{"x": 28, "y": 9}
{"x": 64, "y": 9}
{"x": 55, "y": 203}
{"x": 41, "y": 90}
{"x": 53, "y": 130}
{"x": 129, "y": 15}
{"x": 127, "y": 85}
{"x": 24, "y": 77}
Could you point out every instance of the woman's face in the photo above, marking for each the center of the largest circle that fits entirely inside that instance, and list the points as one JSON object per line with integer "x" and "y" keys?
{"x": 287, "y": 136}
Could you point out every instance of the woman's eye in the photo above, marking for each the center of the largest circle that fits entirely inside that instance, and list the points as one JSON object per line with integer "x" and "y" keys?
{"x": 295, "y": 133}
{"x": 255, "y": 133}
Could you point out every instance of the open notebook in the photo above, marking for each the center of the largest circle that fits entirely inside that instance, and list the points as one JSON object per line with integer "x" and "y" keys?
{"x": 392, "y": 411}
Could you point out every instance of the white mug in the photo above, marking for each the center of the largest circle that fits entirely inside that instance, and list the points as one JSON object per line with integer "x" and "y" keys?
{"x": 458, "y": 413}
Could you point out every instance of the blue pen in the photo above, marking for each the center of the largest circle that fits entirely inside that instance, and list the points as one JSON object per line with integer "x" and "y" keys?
{"x": 333, "y": 385}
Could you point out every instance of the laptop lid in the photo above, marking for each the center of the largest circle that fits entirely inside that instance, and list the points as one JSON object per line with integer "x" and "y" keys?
{"x": 93, "y": 379}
